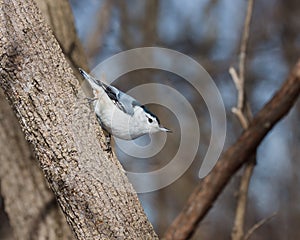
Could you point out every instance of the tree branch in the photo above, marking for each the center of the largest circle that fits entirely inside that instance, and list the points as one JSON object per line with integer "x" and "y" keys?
{"x": 258, "y": 225}
{"x": 244, "y": 114}
{"x": 208, "y": 190}
{"x": 243, "y": 52}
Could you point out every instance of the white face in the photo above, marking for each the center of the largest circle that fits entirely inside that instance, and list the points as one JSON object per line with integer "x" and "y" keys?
{"x": 149, "y": 123}
{"x": 152, "y": 123}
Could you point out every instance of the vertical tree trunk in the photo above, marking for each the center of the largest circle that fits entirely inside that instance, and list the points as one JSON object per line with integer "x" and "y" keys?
{"x": 93, "y": 192}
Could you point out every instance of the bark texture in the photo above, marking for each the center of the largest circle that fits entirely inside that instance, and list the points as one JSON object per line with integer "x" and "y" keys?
{"x": 93, "y": 192}
{"x": 21, "y": 179}
{"x": 29, "y": 203}
{"x": 58, "y": 14}
{"x": 203, "y": 197}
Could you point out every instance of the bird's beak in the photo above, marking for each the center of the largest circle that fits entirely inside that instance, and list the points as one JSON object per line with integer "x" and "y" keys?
{"x": 163, "y": 129}
{"x": 83, "y": 73}
{"x": 92, "y": 81}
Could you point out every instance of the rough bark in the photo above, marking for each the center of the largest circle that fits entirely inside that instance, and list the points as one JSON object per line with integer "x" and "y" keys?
{"x": 58, "y": 14}
{"x": 203, "y": 197}
{"x": 42, "y": 220}
{"x": 93, "y": 192}
{"x": 31, "y": 206}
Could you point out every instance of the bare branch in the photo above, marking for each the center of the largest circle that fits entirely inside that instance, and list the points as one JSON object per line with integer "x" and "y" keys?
{"x": 239, "y": 222}
{"x": 243, "y": 52}
{"x": 207, "y": 191}
{"x": 258, "y": 225}
{"x": 242, "y": 118}
{"x": 244, "y": 114}
{"x": 242, "y": 111}
{"x": 235, "y": 78}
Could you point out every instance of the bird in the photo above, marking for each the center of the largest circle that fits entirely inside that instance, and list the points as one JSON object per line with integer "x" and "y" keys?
{"x": 119, "y": 114}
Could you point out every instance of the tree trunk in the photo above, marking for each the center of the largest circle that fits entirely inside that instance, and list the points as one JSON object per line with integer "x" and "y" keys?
{"x": 58, "y": 14}
{"x": 20, "y": 177}
{"x": 31, "y": 207}
{"x": 90, "y": 186}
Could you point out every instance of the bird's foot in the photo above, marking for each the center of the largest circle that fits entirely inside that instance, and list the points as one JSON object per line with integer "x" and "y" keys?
{"x": 108, "y": 146}
{"x": 90, "y": 100}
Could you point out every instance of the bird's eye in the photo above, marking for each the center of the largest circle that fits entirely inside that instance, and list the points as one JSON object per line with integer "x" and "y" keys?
{"x": 150, "y": 120}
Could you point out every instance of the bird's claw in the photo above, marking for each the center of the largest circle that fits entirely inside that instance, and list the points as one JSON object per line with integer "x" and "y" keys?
{"x": 108, "y": 146}
{"x": 90, "y": 100}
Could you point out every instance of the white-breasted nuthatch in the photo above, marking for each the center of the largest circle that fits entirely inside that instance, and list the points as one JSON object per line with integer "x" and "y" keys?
{"x": 120, "y": 114}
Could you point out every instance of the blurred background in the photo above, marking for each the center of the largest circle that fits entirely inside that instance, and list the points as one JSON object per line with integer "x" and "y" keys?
{"x": 209, "y": 31}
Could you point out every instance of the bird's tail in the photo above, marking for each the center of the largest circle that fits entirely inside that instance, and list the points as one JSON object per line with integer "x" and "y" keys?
{"x": 95, "y": 83}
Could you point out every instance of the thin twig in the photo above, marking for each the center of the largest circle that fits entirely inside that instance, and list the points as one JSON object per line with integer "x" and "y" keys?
{"x": 244, "y": 114}
{"x": 243, "y": 49}
{"x": 236, "y": 79}
{"x": 258, "y": 225}
{"x": 243, "y": 120}
{"x": 239, "y": 221}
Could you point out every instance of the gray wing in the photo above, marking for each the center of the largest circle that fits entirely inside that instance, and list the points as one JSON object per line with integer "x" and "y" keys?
{"x": 125, "y": 102}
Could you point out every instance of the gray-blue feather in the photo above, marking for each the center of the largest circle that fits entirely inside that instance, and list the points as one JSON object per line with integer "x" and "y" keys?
{"x": 125, "y": 102}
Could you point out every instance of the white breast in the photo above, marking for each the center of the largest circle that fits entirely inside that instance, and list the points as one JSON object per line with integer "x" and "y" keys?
{"x": 115, "y": 121}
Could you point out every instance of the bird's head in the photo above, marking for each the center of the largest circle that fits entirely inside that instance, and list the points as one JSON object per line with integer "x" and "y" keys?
{"x": 148, "y": 121}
